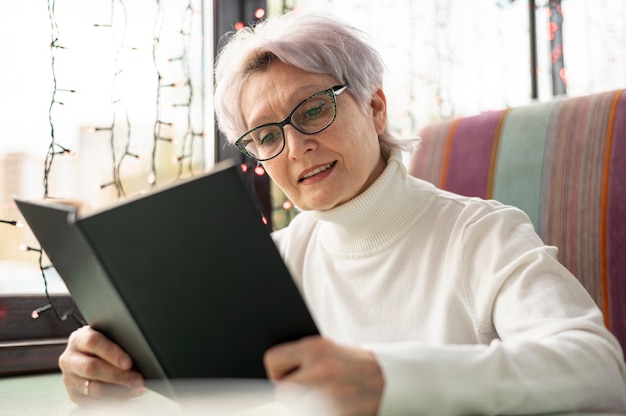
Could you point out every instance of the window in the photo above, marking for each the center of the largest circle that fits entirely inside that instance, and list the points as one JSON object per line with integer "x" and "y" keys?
{"x": 100, "y": 100}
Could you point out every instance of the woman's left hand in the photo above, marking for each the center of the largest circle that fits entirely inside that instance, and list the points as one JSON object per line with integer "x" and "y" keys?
{"x": 318, "y": 374}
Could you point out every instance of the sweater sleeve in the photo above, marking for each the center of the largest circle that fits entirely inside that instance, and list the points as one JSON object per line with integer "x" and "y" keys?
{"x": 546, "y": 347}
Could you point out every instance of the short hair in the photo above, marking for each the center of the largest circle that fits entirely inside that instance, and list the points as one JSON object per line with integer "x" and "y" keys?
{"x": 313, "y": 42}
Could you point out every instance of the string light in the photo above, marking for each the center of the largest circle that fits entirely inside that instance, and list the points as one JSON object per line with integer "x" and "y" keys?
{"x": 259, "y": 13}
{"x": 14, "y": 223}
{"x": 26, "y": 247}
{"x": 55, "y": 46}
{"x": 119, "y": 131}
{"x": 36, "y": 313}
{"x": 259, "y": 170}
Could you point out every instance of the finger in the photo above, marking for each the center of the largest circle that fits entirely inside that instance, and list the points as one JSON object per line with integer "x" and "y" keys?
{"x": 282, "y": 360}
{"x": 99, "y": 390}
{"x": 84, "y": 392}
{"x": 82, "y": 359}
{"x": 88, "y": 367}
{"x": 95, "y": 343}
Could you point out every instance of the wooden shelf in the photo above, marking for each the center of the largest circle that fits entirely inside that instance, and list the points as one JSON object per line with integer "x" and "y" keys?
{"x": 29, "y": 345}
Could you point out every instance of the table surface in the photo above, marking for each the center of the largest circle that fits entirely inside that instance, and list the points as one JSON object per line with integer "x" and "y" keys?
{"x": 44, "y": 394}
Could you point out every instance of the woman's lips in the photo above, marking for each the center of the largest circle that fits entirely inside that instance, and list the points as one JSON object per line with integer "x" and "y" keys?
{"x": 316, "y": 171}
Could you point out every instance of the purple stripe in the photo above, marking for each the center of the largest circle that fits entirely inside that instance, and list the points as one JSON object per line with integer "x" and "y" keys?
{"x": 616, "y": 225}
{"x": 470, "y": 156}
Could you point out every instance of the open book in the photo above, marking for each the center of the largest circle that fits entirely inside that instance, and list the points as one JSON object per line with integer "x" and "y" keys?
{"x": 186, "y": 279}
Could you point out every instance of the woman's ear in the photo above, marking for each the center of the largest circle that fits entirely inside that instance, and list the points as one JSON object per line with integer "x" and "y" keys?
{"x": 379, "y": 111}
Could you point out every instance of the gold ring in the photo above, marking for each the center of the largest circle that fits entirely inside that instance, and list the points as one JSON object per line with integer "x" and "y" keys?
{"x": 86, "y": 387}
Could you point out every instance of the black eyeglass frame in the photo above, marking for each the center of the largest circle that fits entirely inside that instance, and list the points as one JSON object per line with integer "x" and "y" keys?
{"x": 331, "y": 92}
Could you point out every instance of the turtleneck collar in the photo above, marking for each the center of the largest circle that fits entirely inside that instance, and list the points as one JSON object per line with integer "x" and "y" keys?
{"x": 377, "y": 216}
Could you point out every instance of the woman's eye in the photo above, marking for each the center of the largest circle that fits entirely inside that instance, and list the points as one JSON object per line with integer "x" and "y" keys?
{"x": 314, "y": 112}
{"x": 267, "y": 138}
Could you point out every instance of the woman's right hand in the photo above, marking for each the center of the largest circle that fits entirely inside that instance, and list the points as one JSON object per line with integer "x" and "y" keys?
{"x": 95, "y": 368}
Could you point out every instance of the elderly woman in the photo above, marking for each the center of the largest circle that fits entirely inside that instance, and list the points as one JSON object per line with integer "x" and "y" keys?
{"x": 428, "y": 302}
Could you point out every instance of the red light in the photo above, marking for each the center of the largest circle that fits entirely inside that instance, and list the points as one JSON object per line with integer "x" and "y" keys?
{"x": 259, "y": 13}
{"x": 563, "y": 75}
{"x": 554, "y": 27}
{"x": 239, "y": 25}
{"x": 287, "y": 205}
{"x": 244, "y": 167}
{"x": 259, "y": 170}
{"x": 264, "y": 220}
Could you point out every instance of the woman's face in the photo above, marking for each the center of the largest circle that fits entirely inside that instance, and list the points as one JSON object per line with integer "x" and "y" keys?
{"x": 320, "y": 171}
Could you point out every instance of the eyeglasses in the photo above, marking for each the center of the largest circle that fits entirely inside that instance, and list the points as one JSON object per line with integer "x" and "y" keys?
{"x": 313, "y": 115}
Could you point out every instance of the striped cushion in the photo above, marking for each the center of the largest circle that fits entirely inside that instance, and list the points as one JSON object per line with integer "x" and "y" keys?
{"x": 564, "y": 163}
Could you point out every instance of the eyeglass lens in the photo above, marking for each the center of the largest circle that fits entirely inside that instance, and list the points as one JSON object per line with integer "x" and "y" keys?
{"x": 311, "y": 116}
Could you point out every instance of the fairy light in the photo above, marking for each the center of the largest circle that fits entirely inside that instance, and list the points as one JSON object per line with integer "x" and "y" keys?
{"x": 118, "y": 132}
{"x": 259, "y": 13}
{"x": 54, "y": 149}
{"x": 118, "y": 40}
{"x": 184, "y": 87}
{"x": 36, "y": 313}
{"x": 14, "y": 223}
{"x": 555, "y": 35}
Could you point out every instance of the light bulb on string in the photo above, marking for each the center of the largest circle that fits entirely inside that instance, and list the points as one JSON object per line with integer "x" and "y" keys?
{"x": 36, "y": 313}
{"x": 259, "y": 13}
{"x": 94, "y": 129}
{"x": 63, "y": 150}
{"x": 106, "y": 185}
{"x": 14, "y": 223}
{"x": 174, "y": 85}
{"x": 26, "y": 247}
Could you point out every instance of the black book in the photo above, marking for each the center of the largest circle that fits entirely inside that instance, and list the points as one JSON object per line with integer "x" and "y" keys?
{"x": 186, "y": 279}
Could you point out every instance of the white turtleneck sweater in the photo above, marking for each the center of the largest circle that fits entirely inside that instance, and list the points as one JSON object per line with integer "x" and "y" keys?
{"x": 465, "y": 308}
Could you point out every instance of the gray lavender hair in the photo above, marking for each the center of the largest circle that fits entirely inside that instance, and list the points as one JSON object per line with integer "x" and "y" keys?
{"x": 313, "y": 42}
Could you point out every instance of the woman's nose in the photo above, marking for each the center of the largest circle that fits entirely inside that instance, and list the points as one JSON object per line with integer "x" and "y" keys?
{"x": 297, "y": 143}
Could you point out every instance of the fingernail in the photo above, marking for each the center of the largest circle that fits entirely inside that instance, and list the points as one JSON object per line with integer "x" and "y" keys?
{"x": 139, "y": 391}
{"x": 125, "y": 363}
{"x": 136, "y": 381}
